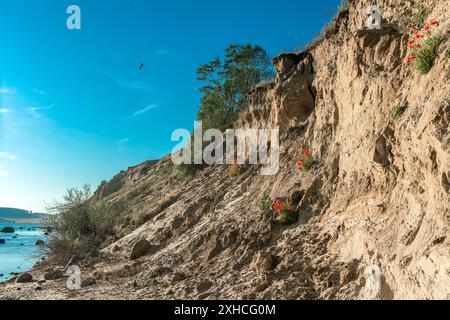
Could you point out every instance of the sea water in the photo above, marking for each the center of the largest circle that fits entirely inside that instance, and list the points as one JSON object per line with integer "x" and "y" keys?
{"x": 20, "y": 253}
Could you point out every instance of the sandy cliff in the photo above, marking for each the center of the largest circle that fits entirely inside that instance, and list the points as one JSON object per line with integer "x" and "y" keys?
{"x": 379, "y": 196}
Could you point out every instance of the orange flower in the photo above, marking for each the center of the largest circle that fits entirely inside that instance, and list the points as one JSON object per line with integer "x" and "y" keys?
{"x": 410, "y": 42}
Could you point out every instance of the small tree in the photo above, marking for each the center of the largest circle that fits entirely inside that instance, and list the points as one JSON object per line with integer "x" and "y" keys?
{"x": 227, "y": 82}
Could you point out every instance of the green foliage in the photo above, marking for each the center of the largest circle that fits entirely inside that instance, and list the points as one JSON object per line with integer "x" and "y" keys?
{"x": 186, "y": 171}
{"x": 447, "y": 54}
{"x": 265, "y": 204}
{"x": 343, "y": 5}
{"x": 427, "y": 53}
{"x": 212, "y": 193}
{"x": 227, "y": 82}
{"x": 420, "y": 14}
{"x": 80, "y": 223}
{"x": 400, "y": 111}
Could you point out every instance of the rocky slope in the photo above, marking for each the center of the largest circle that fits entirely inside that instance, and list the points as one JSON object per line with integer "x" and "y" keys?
{"x": 380, "y": 194}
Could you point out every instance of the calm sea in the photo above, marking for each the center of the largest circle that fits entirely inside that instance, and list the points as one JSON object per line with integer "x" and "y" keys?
{"x": 19, "y": 253}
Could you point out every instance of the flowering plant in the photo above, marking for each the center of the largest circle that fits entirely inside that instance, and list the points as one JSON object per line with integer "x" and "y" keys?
{"x": 423, "y": 46}
{"x": 285, "y": 212}
{"x": 306, "y": 162}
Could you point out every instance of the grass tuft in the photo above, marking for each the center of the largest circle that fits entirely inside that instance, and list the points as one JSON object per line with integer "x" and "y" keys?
{"x": 427, "y": 53}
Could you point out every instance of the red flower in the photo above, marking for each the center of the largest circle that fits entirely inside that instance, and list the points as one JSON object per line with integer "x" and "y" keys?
{"x": 427, "y": 27}
{"x": 418, "y": 36}
{"x": 300, "y": 163}
{"x": 410, "y": 42}
{"x": 417, "y": 45}
{"x": 412, "y": 58}
{"x": 434, "y": 22}
{"x": 307, "y": 153}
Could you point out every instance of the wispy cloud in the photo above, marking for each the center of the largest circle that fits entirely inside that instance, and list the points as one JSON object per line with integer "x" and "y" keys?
{"x": 161, "y": 52}
{"x": 123, "y": 141}
{"x": 126, "y": 83}
{"x": 144, "y": 110}
{"x": 130, "y": 84}
{"x": 7, "y": 156}
{"x": 3, "y": 172}
{"x": 7, "y": 90}
{"x": 5, "y": 110}
{"x": 37, "y": 91}
{"x": 36, "y": 111}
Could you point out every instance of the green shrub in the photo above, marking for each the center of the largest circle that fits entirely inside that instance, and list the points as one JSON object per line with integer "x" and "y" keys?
{"x": 400, "y": 111}
{"x": 427, "y": 53}
{"x": 447, "y": 54}
{"x": 80, "y": 224}
{"x": 343, "y": 5}
{"x": 265, "y": 204}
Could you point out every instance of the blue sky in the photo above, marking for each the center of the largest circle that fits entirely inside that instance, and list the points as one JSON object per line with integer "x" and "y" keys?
{"x": 74, "y": 106}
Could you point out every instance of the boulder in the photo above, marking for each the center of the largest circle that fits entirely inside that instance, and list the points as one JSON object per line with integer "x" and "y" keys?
{"x": 2, "y": 241}
{"x": 7, "y": 230}
{"x": 53, "y": 275}
{"x": 140, "y": 248}
{"x": 24, "y": 278}
{"x": 40, "y": 243}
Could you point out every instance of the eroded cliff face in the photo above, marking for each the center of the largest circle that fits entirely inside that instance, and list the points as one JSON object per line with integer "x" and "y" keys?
{"x": 379, "y": 196}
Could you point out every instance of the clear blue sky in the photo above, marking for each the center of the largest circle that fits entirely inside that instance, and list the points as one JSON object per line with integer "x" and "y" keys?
{"x": 74, "y": 106}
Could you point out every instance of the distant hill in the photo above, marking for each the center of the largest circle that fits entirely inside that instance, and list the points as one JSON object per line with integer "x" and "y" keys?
{"x": 8, "y": 215}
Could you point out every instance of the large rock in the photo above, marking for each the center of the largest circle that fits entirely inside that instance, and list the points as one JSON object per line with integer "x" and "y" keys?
{"x": 2, "y": 241}
{"x": 8, "y": 230}
{"x": 24, "y": 278}
{"x": 40, "y": 243}
{"x": 140, "y": 248}
{"x": 53, "y": 275}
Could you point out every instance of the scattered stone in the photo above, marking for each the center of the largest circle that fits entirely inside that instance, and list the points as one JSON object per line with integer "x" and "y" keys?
{"x": 24, "y": 278}
{"x": 88, "y": 282}
{"x": 263, "y": 262}
{"x": 140, "y": 248}
{"x": 53, "y": 275}
{"x": 204, "y": 286}
{"x": 42, "y": 281}
{"x": 38, "y": 288}
{"x": 40, "y": 243}
{"x": 261, "y": 287}
{"x": 7, "y": 230}
{"x": 177, "y": 277}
